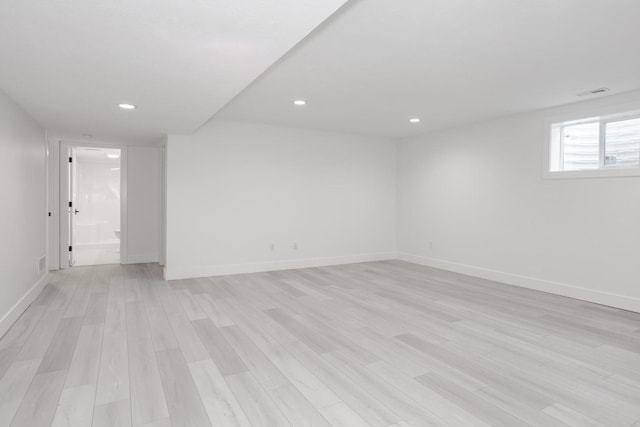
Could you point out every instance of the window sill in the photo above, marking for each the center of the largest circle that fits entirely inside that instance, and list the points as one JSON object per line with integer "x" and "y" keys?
{"x": 599, "y": 173}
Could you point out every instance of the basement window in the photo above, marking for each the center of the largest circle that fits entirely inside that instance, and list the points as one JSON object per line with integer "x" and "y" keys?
{"x": 596, "y": 147}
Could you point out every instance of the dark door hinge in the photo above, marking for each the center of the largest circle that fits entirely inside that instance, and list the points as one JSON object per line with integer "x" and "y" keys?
{"x": 70, "y": 159}
{"x": 70, "y": 248}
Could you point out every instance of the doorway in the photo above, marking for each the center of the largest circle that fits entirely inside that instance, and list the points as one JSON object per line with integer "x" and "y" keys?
{"x": 95, "y": 206}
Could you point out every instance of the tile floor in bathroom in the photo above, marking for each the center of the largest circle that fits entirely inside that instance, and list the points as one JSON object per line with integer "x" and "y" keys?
{"x": 107, "y": 253}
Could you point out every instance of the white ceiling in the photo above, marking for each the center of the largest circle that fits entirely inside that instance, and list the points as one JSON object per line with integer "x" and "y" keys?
{"x": 368, "y": 69}
{"x": 70, "y": 62}
{"x": 379, "y": 62}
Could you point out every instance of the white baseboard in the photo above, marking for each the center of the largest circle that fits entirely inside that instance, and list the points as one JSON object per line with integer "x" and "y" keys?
{"x": 14, "y": 313}
{"x": 259, "y": 267}
{"x": 599, "y": 297}
{"x": 140, "y": 258}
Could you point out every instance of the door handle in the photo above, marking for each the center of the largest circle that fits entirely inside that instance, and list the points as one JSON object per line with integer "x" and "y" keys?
{"x": 76, "y": 211}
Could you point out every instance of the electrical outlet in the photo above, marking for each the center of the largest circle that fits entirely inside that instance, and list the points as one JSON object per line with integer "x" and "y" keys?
{"x": 430, "y": 245}
{"x": 273, "y": 247}
{"x": 295, "y": 246}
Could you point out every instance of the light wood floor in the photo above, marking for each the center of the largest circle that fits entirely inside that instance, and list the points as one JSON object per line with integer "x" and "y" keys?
{"x": 375, "y": 344}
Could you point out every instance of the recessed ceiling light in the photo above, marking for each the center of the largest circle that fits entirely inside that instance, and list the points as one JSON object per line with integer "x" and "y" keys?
{"x": 115, "y": 169}
{"x": 300, "y": 102}
{"x": 593, "y": 91}
{"x": 113, "y": 156}
{"x": 125, "y": 106}
{"x": 414, "y": 120}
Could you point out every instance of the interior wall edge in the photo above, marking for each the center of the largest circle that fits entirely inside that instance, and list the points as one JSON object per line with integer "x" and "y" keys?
{"x": 191, "y": 272}
{"x": 23, "y": 303}
{"x": 624, "y": 302}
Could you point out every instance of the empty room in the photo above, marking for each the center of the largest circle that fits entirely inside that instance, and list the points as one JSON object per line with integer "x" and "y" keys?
{"x": 320, "y": 213}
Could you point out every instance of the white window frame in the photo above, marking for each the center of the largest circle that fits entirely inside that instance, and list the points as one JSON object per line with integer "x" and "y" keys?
{"x": 603, "y": 134}
{"x": 603, "y": 116}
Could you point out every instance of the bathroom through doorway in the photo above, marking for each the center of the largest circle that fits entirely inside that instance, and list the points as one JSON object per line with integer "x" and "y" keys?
{"x": 95, "y": 207}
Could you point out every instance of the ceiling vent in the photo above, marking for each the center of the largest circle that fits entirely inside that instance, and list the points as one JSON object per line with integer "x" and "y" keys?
{"x": 594, "y": 91}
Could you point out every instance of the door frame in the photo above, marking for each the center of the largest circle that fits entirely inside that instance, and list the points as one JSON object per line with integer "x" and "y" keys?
{"x": 64, "y": 197}
{"x": 53, "y": 194}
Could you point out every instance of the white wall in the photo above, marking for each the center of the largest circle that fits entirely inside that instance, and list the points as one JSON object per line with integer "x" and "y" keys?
{"x": 22, "y": 210}
{"x": 144, "y": 204}
{"x": 478, "y": 195}
{"x": 141, "y": 169}
{"x": 234, "y": 189}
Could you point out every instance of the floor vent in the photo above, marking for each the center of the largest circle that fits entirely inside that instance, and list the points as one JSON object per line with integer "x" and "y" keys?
{"x": 42, "y": 265}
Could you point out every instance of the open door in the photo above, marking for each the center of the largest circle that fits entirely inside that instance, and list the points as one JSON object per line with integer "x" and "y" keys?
{"x": 73, "y": 203}
{"x": 90, "y": 205}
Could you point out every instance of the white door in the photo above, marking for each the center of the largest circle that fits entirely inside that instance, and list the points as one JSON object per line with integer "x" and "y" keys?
{"x": 73, "y": 204}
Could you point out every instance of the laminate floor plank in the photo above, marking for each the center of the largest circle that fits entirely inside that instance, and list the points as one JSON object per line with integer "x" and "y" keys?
{"x": 113, "y": 414}
{"x": 96, "y": 308}
{"x": 22, "y": 328}
{"x": 60, "y": 351}
{"x": 265, "y": 372}
{"x": 81, "y": 296}
{"x": 410, "y": 411}
{"x": 301, "y": 330}
{"x": 296, "y": 408}
{"x": 38, "y": 342}
{"x": 13, "y": 386}
{"x": 184, "y": 402}
{"x": 221, "y": 405}
{"x": 113, "y": 378}
{"x": 341, "y": 415}
{"x": 75, "y": 408}
{"x": 161, "y": 332}
{"x": 188, "y": 338}
{"x": 212, "y": 310}
{"x": 147, "y": 395}
{"x": 224, "y": 356}
{"x": 39, "y": 403}
{"x": 255, "y": 402}
{"x": 85, "y": 363}
{"x": 381, "y": 344}
{"x": 452, "y": 413}
{"x": 571, "y": 417}
{"x": 354, "y": 396}
{"x": 310, "y": 385}
{"x": 492, "y": 415}
{"x": 7, "y": 355}
{"x": 190, "y": 305}
{"x": 165, "y": 422}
